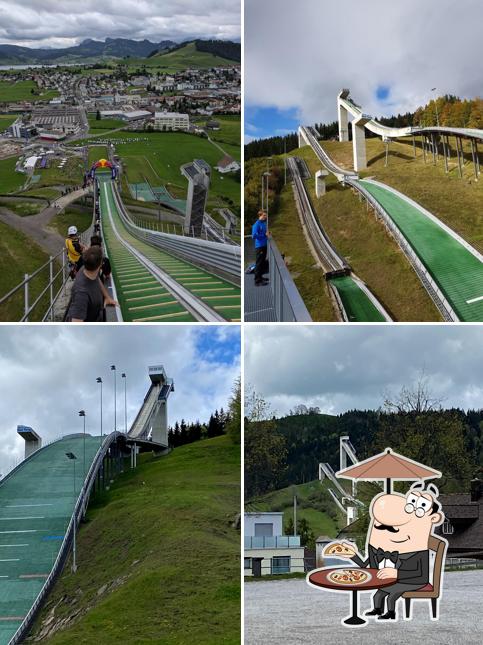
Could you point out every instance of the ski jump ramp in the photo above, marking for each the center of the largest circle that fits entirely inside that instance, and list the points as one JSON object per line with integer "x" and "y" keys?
{"x": 360, "y": 121}
{"x": 45, "y": 497}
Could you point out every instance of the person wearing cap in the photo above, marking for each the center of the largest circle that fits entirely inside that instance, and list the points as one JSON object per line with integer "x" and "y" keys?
{"x": 260, "y": 235}
{"x": 74, "y": 249}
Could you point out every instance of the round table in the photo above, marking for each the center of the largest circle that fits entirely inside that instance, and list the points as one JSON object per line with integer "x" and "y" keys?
{"x": 320, "y": 578}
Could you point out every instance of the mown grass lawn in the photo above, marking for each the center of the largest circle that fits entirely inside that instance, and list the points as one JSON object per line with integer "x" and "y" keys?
{"x": 104, "y": 124}
{"x": 163, "y": 534}
{"x": 22, "y": 91}
{"x": 160, "y": 157}
{"x": 10, "y": 180}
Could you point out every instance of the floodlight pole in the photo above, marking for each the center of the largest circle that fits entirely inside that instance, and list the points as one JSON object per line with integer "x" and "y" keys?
{"x": 113, "y": 369}
{"x": 99, "y": 380}
{"x": 83, "y": 415}
{"x": 123, "y": 375}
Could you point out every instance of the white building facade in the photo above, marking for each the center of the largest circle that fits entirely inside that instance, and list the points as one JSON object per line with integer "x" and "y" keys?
{"x": 171, "y": 121}
{"x": 267, "y": 550}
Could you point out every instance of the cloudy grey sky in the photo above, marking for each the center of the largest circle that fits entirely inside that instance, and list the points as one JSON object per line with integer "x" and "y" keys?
{"x": 48, "y": 374}
{"x": 63, "y": 23}
{"x": 298, "y": 55}
{"x": 343, "y": 367}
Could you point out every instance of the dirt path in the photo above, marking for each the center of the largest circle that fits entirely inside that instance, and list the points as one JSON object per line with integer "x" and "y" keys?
{"x": 35, "y": 226}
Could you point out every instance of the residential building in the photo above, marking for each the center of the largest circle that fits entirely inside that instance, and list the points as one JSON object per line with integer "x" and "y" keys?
{"x": 267, "y": 550}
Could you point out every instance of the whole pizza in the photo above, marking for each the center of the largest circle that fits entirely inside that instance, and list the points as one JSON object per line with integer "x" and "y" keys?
{"x": 349, "y": 576}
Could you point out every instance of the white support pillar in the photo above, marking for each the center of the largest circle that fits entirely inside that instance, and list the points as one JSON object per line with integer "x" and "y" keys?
{"x": 320, "y": 176}
{"x": 359, "y": 142}
{"x": 343, "y": 116}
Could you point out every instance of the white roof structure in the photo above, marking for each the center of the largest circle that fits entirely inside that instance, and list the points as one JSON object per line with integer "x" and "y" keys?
{"x": 30, "y": 162}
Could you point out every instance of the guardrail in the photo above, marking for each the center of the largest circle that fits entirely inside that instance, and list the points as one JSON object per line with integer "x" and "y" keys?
{"x": 288, "y": 304}
{"x": 51, "y": 288}
{"x": 272, "y": 542}
{"x": 79, "y": 509}
{"x": 205, "y": 253}
{"x": 428, "y": 282}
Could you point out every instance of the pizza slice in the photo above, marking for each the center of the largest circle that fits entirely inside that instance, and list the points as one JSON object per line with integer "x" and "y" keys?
{"x": 341, "y": 549}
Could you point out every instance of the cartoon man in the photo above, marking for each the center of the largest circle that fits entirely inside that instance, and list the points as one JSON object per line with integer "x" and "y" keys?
{"x": 397, "y": 543}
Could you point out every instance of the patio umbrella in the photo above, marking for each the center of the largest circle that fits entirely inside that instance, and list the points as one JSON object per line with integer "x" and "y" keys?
{"x": 386, "y": 466}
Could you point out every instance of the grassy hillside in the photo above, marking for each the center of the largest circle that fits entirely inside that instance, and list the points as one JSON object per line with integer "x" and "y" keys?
{"x": 314, "y": 503}
{"x": 455, "y": 201}
{"x": 158, "y": 558}
{"x": 184, "y": 57}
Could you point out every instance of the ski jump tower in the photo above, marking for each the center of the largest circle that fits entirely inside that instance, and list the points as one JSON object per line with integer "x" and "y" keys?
{"x": 348, "y": 504}
{"x": 198, "y": 174}
{"x": 358, "y": 130}
{"x": 33, "y": 441}
{"x": 151, "y": 422}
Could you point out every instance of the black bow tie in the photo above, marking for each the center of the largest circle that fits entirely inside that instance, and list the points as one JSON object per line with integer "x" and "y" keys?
{"x": 386, "y": 555}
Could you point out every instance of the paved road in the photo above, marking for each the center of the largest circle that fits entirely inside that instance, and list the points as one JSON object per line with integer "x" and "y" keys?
{"x": 290, "y": 612}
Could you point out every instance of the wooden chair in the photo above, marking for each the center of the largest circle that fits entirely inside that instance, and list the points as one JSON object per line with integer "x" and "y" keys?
{"x": 431, "y": 591}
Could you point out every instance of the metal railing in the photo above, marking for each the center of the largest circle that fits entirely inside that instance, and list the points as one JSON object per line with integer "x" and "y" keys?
{"x": 272, "y": 542}
{"x": 427, "y": 280}
{"x": 205, "y": 253}
{"x": 79, "y": 510}
{"x": 52, "y": 287}
{"x": 288, "y": 303}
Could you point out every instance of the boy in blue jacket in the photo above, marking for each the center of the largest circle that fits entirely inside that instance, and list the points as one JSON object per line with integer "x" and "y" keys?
{"x": 260, "y": 234}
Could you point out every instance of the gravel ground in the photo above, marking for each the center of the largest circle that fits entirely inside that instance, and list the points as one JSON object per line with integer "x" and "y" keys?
{"x": 289, "y": 612}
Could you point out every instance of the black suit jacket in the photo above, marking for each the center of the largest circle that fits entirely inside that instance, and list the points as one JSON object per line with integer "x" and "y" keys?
{"x": 412, "y": 568}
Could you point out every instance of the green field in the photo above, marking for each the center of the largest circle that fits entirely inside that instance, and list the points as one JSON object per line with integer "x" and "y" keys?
{"x": 10, "y": 181}
{"x": 229, "y": 132}
{"x": 6, "y": 120}
{"x": 104, "y": 124}
{"x": 181, "y": 59}
{"x": 159, "y": 159}
{"x": 71, "y": 174}
{"x": 22, "y": 91}
{"x": 96, "y": 153}
{"x": 158, "y": 558}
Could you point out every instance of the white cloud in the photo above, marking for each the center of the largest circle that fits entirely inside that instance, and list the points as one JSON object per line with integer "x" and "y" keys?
{"x": 48, "y": 374}
{"x": 59, "y": 24}
{"x": 301, "y": 54}
{"x": 343, "y": 367}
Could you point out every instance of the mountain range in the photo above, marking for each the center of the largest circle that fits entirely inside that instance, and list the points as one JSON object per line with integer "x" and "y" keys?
{"x": 88, "y": 50}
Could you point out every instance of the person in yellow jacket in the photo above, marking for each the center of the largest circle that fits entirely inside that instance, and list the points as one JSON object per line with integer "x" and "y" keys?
{"x": 74, "y": 250}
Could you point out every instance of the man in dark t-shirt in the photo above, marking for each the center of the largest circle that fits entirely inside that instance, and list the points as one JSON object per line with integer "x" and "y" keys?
{"x": 89, "y": 296}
